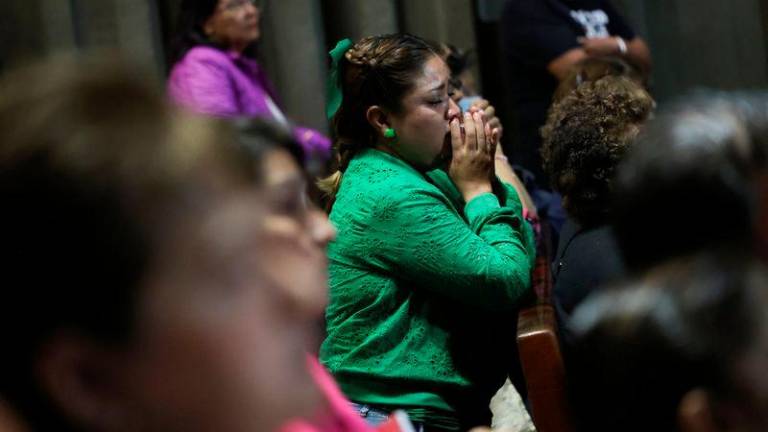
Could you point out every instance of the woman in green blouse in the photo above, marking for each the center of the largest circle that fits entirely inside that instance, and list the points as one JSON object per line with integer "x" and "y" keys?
{"x": 427, "y": 262}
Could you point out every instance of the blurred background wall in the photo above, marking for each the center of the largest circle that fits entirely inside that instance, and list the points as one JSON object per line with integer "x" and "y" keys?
{"x": 695, "y": 43}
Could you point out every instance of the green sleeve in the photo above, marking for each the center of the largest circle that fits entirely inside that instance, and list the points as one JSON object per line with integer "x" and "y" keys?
{"x": 483, "y": 258}
{"x": 512, "y": 199}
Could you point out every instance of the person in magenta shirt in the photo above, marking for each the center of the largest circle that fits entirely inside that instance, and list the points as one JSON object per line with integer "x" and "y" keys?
{"x": 215, "y": 72}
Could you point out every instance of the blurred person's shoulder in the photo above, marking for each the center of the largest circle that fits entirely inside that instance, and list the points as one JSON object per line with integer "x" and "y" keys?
{"x": 206, "y": 53}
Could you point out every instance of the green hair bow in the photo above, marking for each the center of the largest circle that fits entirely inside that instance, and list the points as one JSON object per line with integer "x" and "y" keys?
{"x": 332, "y": 88}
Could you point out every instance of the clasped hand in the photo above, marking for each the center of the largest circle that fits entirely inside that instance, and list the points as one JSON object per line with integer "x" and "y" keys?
{"x": 472, "y": 163}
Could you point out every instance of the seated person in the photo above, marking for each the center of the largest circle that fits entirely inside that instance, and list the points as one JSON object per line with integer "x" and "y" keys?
{"x": 152, "y": 282}
{"x": 587, "y": 134}
{"x": 427, "y": 263}
{"x": 696, "y": 179}
{"x": 215, "y": 71}
{"x": 684, "y": 348}
{"x": 542, "y": 41}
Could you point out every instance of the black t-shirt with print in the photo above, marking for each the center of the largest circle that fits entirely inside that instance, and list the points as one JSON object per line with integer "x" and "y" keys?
{"x": 535, "y": 32}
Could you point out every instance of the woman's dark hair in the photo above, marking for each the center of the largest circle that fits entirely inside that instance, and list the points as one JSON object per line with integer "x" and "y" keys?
{"x": 257, "y": 137}
{"x": 377, "y": 70}
{"x": 692, "y": 181}
{"x": 640, "y": 348}
{"x": 189, "y": 31}
{"x": 92, "y": 164}
{"x": 586, "y": 135}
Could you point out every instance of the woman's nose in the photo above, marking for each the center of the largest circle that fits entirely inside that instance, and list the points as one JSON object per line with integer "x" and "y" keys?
{"x": 453, "y": 109}
{"x": 321, "y": 229}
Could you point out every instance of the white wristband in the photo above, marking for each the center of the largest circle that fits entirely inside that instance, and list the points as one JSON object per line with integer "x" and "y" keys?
{"x": 622, "y": 45}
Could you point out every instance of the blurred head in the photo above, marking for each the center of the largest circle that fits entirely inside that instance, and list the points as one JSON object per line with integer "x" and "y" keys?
{"x": 586, "y": 135}
{"x": 459, "y": 62}
{"x": 394, "y": 81}
{"x": 227, "y": 24}
{"x": 685, "y": 348}
{"x": 592, "y": 69}
{"x": 300, "y": 230}
{"x": 696, "y": 180}
{"x": 145, "y": 284}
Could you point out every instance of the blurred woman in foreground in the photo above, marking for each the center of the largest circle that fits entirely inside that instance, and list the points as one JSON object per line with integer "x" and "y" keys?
{"x": 151, "y": 283}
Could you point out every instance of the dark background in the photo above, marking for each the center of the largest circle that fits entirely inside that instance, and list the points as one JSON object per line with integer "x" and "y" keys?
{"x": 695, "y": 43}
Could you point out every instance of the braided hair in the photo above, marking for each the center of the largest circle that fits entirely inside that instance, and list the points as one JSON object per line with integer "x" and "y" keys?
{"x": 377, "y": 70}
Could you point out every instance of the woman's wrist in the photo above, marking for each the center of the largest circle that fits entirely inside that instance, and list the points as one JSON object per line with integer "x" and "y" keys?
{"x": 469, "y": 192}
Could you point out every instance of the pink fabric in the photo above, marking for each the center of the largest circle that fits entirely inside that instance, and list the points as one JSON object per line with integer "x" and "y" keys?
{"x": 210, "y": 81}
{"x": 340, "y": 416}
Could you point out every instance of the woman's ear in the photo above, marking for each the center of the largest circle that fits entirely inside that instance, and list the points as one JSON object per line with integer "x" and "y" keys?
{"x": 83, "y": 382}
{"x": 378, "y": 119}
{"x": 695, "y": 412}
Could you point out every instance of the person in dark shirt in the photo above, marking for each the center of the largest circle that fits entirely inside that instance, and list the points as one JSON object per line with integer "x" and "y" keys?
{"x": 586, "y": 135}
{"x": 542, "y": 41}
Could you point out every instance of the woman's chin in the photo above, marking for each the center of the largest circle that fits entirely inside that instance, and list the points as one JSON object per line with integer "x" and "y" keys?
{"x": 447, "y": 151}
{"x": 254, "y": 34}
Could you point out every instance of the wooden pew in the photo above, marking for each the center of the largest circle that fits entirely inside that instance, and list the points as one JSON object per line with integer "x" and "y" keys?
{"x": 540, "y": 355}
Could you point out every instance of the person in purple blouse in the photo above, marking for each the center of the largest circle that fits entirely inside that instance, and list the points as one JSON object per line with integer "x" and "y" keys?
{"x": 215, "y": 72}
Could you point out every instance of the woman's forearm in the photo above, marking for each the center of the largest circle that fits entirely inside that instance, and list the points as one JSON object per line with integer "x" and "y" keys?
{"x": 506, "y": 174}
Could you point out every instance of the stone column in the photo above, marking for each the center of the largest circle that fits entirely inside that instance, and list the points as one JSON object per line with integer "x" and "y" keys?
{"x": 358, "y": 18}
{"x": 129, "y": 26}
{"x": 18, "y": 42}
{"x": 31, "y": 29}
{"x": 445, "y": 21}
{"x": 57, "y": 26}
{"x": 138, "y": 33}
{"x": 706, "y": 43}
{"x": 449, "y": 21}
{"x": 292, "y": 50}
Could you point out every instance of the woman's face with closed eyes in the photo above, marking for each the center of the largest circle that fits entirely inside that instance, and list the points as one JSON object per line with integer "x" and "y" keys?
{"x": 422, "y": 125}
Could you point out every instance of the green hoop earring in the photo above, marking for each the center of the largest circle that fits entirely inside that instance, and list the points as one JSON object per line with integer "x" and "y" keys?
{"x": 390, "y": 133}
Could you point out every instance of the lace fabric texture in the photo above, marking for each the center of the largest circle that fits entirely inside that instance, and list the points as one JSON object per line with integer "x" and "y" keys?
{"x": 420, "y": 283}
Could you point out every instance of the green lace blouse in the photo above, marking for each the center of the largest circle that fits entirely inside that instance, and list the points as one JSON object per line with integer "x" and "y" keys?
{"x": 422, "y": 287}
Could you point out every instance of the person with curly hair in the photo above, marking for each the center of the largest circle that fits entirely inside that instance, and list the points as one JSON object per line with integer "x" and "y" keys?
{"x": 586, "y": 135}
